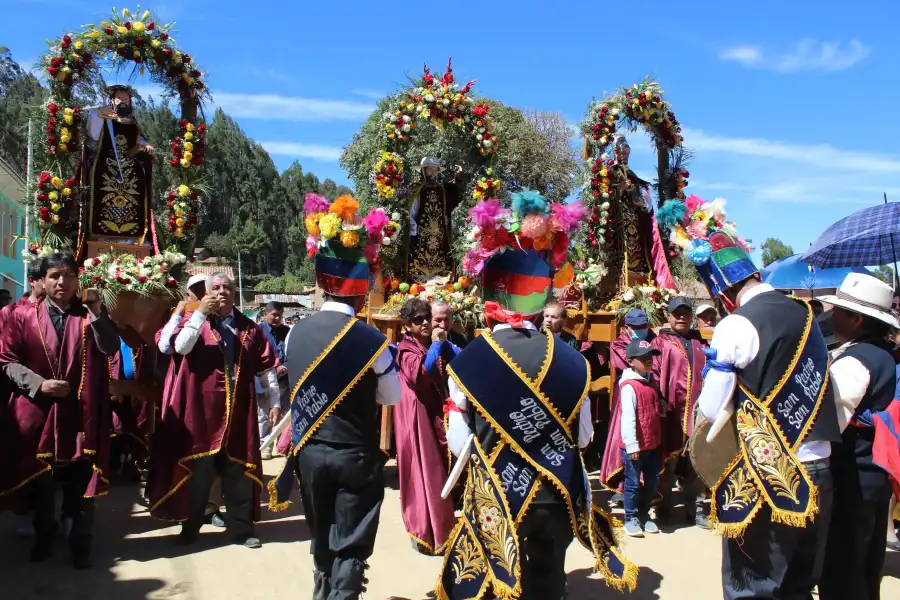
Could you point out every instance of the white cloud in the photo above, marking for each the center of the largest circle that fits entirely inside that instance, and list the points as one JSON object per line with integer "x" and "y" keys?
{"x": 806, "y": 55}
{"x": 371, "y": 94}
{"x": 290, "y": 108}
{"x": 298, "y": 150}
{"x": 816, "y": 155}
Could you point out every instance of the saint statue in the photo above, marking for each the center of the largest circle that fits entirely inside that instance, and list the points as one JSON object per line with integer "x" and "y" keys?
{"x": 116, "y": 170}
{"x": 430, "y": 234}
{"x": 633, "y": 215}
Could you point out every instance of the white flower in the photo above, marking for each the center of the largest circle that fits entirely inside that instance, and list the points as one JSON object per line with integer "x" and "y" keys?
{"x": 406, "y": 118}
{"x": 603, "y": 140}
{"x": 446, "y": 102}
{"x": 479, "y": 137}
{"x": 615, "y": 112}
{"x": 89, "y": 263}
{"x": 429, "y": 98}
{"x": 629, "y": 295}
{"x": 386, "y": 241}
{"x": 111, "y": 270}
{"x": 470, "y": 237}
{"x": 604, "y": 206}
{"x": 406, "y": 128}
{"x": 605, "y": 195}
{"x": 487, "y": 143}
{"x": 605, "y": 156}
{"x": 395, "y": 216}
{"x": 387, "y": 116}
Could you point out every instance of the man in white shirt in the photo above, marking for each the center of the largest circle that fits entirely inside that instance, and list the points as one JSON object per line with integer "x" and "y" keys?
{"x": 768, "y": 343}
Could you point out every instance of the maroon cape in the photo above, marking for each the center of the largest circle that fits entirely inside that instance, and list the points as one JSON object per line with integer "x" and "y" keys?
{"x": 679, "y": 386}
{"x": 38, "y": 434}
{"x": 133, "y": 415}
{"x": 202, "y": 415}
{"x": 422, "y": 459}
{"x": 611, "y": 471}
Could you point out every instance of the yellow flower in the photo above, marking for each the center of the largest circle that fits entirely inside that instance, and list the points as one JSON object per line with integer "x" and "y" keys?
{"x": 121, "y": 29}
{"x": 55, "y": 207}
{"x": 189, "y": 126}
{"x": 700, "y": 216}
{"x": 349, "y": 239}
{"x": 65, "y": 139}
{"x": 179, "y": 222}
{"x": 54, "y": 219}
{"x": 185, "y": 163}
{"x": 312, "y": 224}
{"x": 78, "y": 44}
{"x": 344, "y": 206}
{"x": 68, "y": 119}
{"x": 156, "y": 43}
{"x": 329, "y": 225}
{"x": 184, "y": 191}
{"x": 188, "y": 136}
{"x": 136, "y": 54}
{"x": 179, "y": 233}
{"x": 56, "y": 182}
{"x": 188, "y": 156}
{"x": 179, "y": 212}
{"x": 188, "y": 146}
{"x": 66, "y": 192}
{"x": 138, "y": 27}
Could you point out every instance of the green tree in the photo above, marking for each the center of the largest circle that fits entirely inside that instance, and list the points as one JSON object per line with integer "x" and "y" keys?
{"x": 774, "y": 249}
{"x": 20, "y": 95}
{"x": 885, "y": 273}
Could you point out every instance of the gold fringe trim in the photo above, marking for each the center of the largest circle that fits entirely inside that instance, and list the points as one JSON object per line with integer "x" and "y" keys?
{"x": 273, "y": 502}
{"x": 548, "y": 358}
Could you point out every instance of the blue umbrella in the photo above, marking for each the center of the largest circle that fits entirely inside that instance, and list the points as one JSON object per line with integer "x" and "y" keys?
{"x": 867, "y": 237}
{"x": 791, "y": 273}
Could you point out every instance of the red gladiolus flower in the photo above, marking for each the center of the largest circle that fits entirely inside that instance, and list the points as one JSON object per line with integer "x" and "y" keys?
{"x": 186, "y": 58}
{"x": 52, "y": 150}
{"x": 194, "y": 195}
{"x": 95, "y": 261}
{"x": 108, "y": 31}
{"x": 201, "y": 129}
{"x": 182, "y": 123}
{"x": 56, "y": 61}
{"x": 52, "y": 71}
{"x": 70, "y": 182}
{"x": 173, "y": 146}
{"x": 151, "y": 25}
{"x": 51, "y": 139}
{"x": 87, "y": 57}
{"x": 170, "y": 206}
{"x": 128, "y": 25}
{"x": 65, "y": 44}
{"x": 121, "y": 51}
{"x": 195, "y": 73}
{"x": 167, "y": 52}
{"x": 42, "y": 197}
{"x": 138, "y": 41}
{"x": 52, "y": 108}
{"x": 164, "y": 36}
{"x": 49, "y": 128}
{"x": 173, "y": 162}
{"x": 76, "y": 110}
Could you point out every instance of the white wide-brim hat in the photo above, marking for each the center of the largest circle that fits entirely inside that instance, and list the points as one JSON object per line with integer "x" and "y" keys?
{"x": 195, "y": 279}
{"x": 865, "y": 295}
{"x": 430, "y": 161}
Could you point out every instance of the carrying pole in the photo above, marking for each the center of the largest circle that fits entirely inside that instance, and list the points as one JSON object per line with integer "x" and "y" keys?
{"x": 894, "y": 254}
{"x": 29, "y": 168}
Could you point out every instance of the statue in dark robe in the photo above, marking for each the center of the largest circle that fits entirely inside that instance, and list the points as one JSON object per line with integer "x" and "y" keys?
{"x": 430, "y": 224}
{"x": 633, "y": 217}
{"x": 116, "y": 169}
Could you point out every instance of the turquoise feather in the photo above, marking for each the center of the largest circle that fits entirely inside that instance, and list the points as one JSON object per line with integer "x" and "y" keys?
{"x": 671, "y": 213}
{"x": 528, "y": 202}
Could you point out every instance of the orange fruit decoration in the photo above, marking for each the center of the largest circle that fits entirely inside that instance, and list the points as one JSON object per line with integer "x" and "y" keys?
{"x": 464, "y": 281}
{"x": 564, "y": 276}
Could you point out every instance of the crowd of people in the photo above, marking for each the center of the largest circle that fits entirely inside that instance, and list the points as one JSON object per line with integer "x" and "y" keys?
{"x": 805, "y": 503}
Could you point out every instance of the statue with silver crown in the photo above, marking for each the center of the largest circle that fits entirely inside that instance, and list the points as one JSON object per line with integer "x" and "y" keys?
{"x": 433, "y": 199}
{"x": 116, "y": 169}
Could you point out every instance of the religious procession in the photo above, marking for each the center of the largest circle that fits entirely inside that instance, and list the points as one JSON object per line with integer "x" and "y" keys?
{"x": 520, "y": 360}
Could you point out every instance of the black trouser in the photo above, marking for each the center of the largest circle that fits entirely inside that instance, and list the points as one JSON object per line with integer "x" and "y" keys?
{"x": 236, "y": 488}
{"x": 342, "y": 490}
{"x": 544, "y": 536}
{"x": 778, "y": 561}
{"x": 75, "y": 478}
{"x": 858, "y": 535}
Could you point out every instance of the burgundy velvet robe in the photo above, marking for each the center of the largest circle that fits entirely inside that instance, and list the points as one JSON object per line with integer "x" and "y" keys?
{"x": 422, "y": 459}
{"x": 39, "y": 434}
{"x": 202, "y": 416}
{"x": 679, "y": 386}
{"x": 134, "y": 415}
{"x": 611, "y": 471}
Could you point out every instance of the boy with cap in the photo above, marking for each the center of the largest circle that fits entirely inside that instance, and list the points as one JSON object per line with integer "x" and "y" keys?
{"x": 641, "y": 436}
{"x": 679, "y": 371}
{"x": 635, "y": 326}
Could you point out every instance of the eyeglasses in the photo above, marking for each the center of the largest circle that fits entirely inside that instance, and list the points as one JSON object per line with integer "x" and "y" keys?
{"x": 419, "y": 319}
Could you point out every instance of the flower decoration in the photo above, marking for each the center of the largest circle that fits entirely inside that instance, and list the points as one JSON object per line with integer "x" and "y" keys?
{"x": 532, "y": 223}
{"x": 189, "y": 147}
{"x": 63, "y": 124}
{"x": 340, "y": 222}
{"x": 113, "y": 274}
{"x": 460, "y": 295}
{"x": 649, "y": 298}
{"x": 487, "y": 187}
{"x": 181, "y": 208}
{"x": 54, "y": 200}
{"x": 388, "y": 174}
{"x": 697, "y": 220}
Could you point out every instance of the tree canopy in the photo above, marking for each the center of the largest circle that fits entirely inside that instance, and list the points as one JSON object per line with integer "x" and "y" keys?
{"x": 774, "y": 249}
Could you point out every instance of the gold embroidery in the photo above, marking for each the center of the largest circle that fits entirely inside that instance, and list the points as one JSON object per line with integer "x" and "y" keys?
{"x": 467, "y": 563}
{"x": 430, "y": 256}
{"x": 740, "y": 491}
{"x": 495, "y": 531}
{"x": 779, "y": 470}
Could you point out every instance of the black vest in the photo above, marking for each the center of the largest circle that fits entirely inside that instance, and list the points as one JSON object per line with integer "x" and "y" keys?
{"x": 779, "y": 322}
{"x": 527, "y": 349}
{"x": 880, "y": 393}
{"x": 355, "y": 421}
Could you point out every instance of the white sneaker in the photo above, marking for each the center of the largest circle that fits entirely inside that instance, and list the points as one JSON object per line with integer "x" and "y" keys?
{"x": 650, "y": 527}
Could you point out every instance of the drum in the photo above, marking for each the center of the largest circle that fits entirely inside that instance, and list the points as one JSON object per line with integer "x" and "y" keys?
{"x": 711, "y": 459}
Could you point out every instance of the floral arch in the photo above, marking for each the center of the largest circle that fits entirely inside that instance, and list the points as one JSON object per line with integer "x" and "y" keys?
{"x": 127, "y": 40}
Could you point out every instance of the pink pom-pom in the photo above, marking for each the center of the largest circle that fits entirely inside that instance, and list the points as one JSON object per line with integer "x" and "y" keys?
{"x": 312, "y": 245}
{"x": 484, "y": 214}
{"x": 692, "y": 203}
{"x": 375, "y": 222}
{"x": 314, "y": 203}
{"x": 534, "y": 226}
{"x": 566, "y": 217}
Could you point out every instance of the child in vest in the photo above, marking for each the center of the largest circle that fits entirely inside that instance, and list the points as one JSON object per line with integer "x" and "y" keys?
{"x": 641, "y": 437}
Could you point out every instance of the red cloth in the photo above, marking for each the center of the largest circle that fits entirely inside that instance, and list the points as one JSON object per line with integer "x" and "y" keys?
{"x": 886, "y": 448}
{"x": 37, "y": 434}
{"x": 670, "y": 370}
{"x": 494, "y": 312}
{"x": 422, "y": 457}
{"x": 611, "y": 470}
{"x": 649, "y": 424}
{"x": 199, "y": 419}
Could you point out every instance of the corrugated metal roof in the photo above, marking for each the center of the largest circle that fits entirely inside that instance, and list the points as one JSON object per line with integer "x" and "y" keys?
{"x": 205, "y": 268}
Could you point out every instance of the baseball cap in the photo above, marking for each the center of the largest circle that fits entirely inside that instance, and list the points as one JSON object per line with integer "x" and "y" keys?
{"x": 636, "y": 317}
{"x": 703, "y": 308}
{"x": 637, "y": 348}
{"x": 679, "y": 301}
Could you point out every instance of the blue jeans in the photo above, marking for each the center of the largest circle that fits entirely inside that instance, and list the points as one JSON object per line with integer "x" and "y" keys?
{"x": 637, "y": 496}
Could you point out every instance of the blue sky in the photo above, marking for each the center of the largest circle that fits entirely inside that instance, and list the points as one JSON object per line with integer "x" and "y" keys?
{"x": 788, "y": 109}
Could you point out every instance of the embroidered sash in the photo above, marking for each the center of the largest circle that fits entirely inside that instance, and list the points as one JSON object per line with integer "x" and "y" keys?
{"x": 325, "y": 382}
{"x": 770, "y": 430}
{"x": 536, "y": 442}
